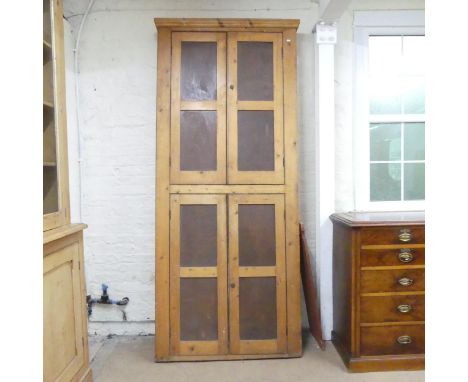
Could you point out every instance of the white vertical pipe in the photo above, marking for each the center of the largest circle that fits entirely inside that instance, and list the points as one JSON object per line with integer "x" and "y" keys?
{"x": 325, "y": 165}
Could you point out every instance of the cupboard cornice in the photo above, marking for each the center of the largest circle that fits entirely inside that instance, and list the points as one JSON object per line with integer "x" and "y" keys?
{"x": 269, "y": 25}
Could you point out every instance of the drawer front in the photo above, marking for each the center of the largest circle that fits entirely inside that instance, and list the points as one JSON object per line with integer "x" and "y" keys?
{"x": 392, "y": 340}
{"x": 392, "y": 235}
{"x": 395, "y": 280}
{"x": 392, "y": 257}
{"x": 392, "y": 308}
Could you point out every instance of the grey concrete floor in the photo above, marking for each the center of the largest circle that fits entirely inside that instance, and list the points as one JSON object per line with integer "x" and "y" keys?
{"x": 130, "y": 358}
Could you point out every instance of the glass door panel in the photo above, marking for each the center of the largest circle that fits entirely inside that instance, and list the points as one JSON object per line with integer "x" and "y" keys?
{"x": 198, "y": 108}
{"x": 198, "y": 269}
{"x": 257, "y": 289}
{"x": 50, "y": 174}
{"x": 255, "y": 108}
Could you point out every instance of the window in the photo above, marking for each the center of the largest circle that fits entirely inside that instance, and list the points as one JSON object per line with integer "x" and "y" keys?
{"x": 390, "y": 118}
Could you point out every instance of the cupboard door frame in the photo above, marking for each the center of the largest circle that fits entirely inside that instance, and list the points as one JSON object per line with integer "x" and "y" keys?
{"x": 220, "y": 346}
{"x": 270, "y": 346}
{"x": 219, "y": 106}
{"x": 276, "y": 105}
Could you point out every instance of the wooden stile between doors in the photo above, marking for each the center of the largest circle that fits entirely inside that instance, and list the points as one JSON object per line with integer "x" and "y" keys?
{"x": 227, "y": 244}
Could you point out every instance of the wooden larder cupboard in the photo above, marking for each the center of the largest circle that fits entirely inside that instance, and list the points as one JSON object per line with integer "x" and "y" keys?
{"x": 227, "y": 245}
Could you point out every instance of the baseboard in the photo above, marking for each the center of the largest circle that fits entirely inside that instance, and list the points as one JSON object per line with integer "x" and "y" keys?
{"x": 128, "y": 328}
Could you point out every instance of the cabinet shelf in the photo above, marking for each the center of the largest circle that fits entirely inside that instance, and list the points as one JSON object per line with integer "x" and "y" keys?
{"x": 49, "y": 164}
{"x": 46, "y": 44}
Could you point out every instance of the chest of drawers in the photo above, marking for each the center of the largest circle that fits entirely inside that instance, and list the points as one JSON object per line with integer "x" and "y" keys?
{"x": 378, "y": 290}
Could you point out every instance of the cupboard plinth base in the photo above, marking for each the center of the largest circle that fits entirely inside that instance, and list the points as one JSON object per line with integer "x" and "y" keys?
{"x": 226, "y": 357}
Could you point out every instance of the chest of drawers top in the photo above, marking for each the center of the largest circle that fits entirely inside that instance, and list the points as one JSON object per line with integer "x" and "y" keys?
{"x": 379, "y": 219}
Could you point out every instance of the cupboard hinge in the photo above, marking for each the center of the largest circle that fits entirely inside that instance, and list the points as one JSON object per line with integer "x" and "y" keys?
{"x": 284, "y": 162}
{"x": 282, "y": 54}
{"x": 170, "y": 215}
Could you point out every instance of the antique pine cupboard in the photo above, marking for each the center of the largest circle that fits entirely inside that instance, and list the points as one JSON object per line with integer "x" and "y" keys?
{"x": 227, "y": 245}
{"x": 65, "y": 334}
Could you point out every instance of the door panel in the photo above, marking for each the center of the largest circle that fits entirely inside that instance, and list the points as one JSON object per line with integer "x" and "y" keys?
{"x": 63, "y": 336}
{"x": 257, "y": 293}
{"x": 198, "y": 269}
{"x": 257, "y": 299}
{"x": 255, "y": 70}
{"x": 198, "y": 71}
{"x": 198, "y": 235}
{"x": 198, "y": 137}
{"x": 255, "y": 108}
{"x": 198, "y": 309}
{"x": 256, "y": 225}
{"x": 255, "y": 140}
{"x": 198, "y": 108}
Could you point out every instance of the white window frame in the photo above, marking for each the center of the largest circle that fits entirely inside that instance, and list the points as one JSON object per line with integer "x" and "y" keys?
{"x": 376, "y": 23}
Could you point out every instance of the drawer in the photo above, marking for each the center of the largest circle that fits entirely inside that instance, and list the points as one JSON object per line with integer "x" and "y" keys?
{"x": 392, "y": 340}
{"x": 395, "y": 280}
{"x": 392, "y": 235}
{"x": 392, "y": 308}
{"x": 392, "y": 257}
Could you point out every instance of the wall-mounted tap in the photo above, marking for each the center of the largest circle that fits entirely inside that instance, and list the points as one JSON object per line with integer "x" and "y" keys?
{"x": 104, "y": 299}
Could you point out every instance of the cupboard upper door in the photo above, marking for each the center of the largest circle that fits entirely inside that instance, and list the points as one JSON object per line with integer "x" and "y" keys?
{"x": 198, "y": 108}
{"x": 257, "y": 289}
{"x": 198, "y": 269}
{"x": 255, "y": 108}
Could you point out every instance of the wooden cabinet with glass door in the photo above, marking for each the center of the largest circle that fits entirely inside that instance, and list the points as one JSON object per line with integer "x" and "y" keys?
{"x": 64, "y": 313}
{"x": 227, "y": 190}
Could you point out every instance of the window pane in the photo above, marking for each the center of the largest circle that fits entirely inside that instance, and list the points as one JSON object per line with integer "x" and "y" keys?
{"x": 414, "y": 141}
{"x": 414, "y": 181}
{"x": 385, "y": 96}
{"x": 414, "y": 54}
{"x": 413, "y": 95}
{"x": 385, "y": 181}
{"x": 384, "y": 55}
{"x": 385, "y": 141}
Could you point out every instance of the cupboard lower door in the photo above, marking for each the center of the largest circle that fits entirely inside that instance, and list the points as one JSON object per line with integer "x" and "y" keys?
{"x": 198, "y": 275}
{"x": 63, "y": 312}
{"x": 257, "y": 289}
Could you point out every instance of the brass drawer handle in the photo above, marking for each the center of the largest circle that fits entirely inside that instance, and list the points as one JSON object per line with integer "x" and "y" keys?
{"x": 404, "y": 308}
{"x": 404, "y": 340}
{"x": 405, "y": 235}
{"x": 405, "y": 281}
{"x": 405, "y": 256}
